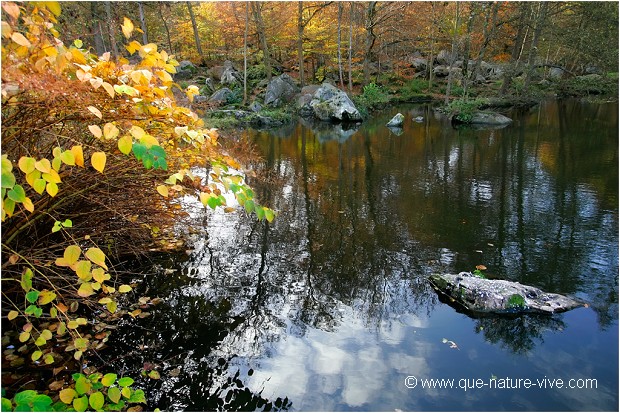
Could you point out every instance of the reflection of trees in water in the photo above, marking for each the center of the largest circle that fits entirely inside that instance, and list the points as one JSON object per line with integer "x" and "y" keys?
{"x": 517, "y": 334}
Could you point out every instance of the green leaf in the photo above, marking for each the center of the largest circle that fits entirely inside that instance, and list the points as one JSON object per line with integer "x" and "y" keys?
{"x": 25, "y": 397}
{"x": 249, "y": 206}
{"x": 39, "y": 185}
{"x": 82, "y": 385}
{"x": 7, "y": 179}
{"x": 125, "y": 381}
{"x": 139, "y": 150}
{"x": 147, "y": 161}
{"x": 137, "y": 397}
{"x": 80, "y": 404}
{"x": 114, "y": 394}
{"x": 36, "y": 355}
{"x": 78, "y": 43}
{"x": 269, "y": 214}
{"x": 161, "y": 163}
{"x": 109, "y": 380}
{"x": 260, "y": 212}
{"x": 154, "y": 374}
{"x": 96, "y": 400}
{"x": 213, "y": 202}
{"x": 67, "y": 223}
{"x": 38, "y": 312}
{"x": 158, "y": 151}
{"x": 27, "y": 280}
{"x": 7, "y": 406}
{"x": 68, "y": 158}
{"x": 32, "y": 296}
{"x": 42, "y": 403}
{"x": 17, "y": 194}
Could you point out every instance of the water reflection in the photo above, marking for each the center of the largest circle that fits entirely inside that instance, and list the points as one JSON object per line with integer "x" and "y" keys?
{"x": 328, "y": 307}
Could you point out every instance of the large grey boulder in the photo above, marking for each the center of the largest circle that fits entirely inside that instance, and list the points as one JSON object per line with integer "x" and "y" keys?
{"x": 396, "y": 121}
{"x": 221, "y": 96}
{"x": 489, "y": 118}
{"x": 499, "y": 296}
{"x": 332, "y": 104}
{"x": 281, "y": 89}
{"x": 230, "y": 75}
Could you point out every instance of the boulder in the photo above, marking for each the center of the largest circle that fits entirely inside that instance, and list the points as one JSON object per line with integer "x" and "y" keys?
{"x": 183, "y": 74}
{"x": 209, "y": 84}
{"x": 255, "y": 107}
{"x": 499, "y": 296}
{"x": 397, "y": 121}
{"x": 332, "y": 104}
{"x": 556, "y": 73}
{"x": 444, "y": 58}
{"x": 281, "y": 89}
{"x": 200, "y": 99}
{"x": 186, "y": 65}
{"x": 444, "y": 71}
{"x": 221, "y": 96}
{"x": 230, "y": 76}
{"x": 490, "y": 118}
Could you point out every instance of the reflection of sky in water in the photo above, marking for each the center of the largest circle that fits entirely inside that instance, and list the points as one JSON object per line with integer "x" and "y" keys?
{"x": 357, "y": 368}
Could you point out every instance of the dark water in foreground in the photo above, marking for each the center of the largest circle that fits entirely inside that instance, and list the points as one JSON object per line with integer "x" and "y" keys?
{"x": 328, "y": 307}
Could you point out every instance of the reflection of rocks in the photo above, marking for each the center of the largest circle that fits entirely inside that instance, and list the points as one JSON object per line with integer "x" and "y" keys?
{"x": 328, "y": 131}
{"x": 396, "y": 130}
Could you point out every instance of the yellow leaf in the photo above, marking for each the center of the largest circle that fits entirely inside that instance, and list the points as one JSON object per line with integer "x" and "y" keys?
{"x": 12, "y": 315}
{"x": 95, "y": 130}
{"x": 44, "y": 165}
{"x": 78, "y": 155}
{"x": 98, "y": 160}
{"x": 78, "y": 57}
{"x": 52, "y": 176}
{"x": 46, "y": 297}
{"x": 108, "y": 88}
{"x": 19, "y": 38}
{"x": 85, "y": 290}
{"x": 124, "y": 288}
{"x": 72, "y": 254}
{"x": 125, "y": 144}
{"x": 53, "y": 6}
{"x": 137, "y": 132}
{"x": 82, "y": 269}
{"x": 110, "y": 131}
{"x": 26, "y": 164}
{"x": 127, "y": 27}
{"x": 163, "y": 190}
{"x": 97, "y": 256}
{"x": 51, "y": 188}
{"x": 99, "y": 275}
{"x": 95, "y": 111}
{"x": 149, "y": 140}
{"x": 112, "y": 306}
{"x": 136, "y": 75}
{"x": 28, "y": 205}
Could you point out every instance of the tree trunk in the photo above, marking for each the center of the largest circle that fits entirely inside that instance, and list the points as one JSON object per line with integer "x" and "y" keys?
{"x": 340, "y": 7}
{"x": 531, "y": 61}
{"x": 453, "y": 52}
{"x": 111, "y": 30}
{"x": 260, "y": 27}
{"x": 488, "y": 33}
{"x": 163, "y": 19}
{"x": 370, "y": 39}
{"x": 470, "y": 26}
{"x": 145, "y": 37}
{"x": 300, "y": 41}
{"x": 350, "y": 47}
{"x": 195, "y": 27}
{"x": 245, "y": 54}
{"x": 96, "y": 28}
{"x": 524, "y": 11}
{"x": 429, "y": 65}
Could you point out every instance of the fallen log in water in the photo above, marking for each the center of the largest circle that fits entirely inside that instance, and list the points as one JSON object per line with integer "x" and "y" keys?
{"x": 499, "y": 296}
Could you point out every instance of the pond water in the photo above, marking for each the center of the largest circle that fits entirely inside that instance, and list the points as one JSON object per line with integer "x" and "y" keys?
{"x": 329, "y": 308}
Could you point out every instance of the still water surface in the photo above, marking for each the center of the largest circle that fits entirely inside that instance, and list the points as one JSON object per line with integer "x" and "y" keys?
{"x": 328, "y": 307}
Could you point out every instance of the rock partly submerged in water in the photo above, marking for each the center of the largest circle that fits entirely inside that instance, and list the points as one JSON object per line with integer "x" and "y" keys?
{"x": 397, "y": 121}
{"x": 499, "y": 296}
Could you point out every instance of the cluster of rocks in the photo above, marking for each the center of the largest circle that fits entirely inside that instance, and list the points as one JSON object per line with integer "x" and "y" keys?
{"x": 445, "y": 63}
